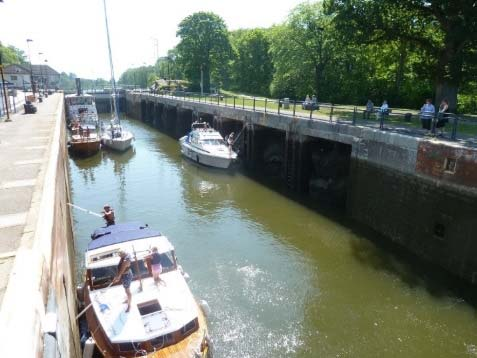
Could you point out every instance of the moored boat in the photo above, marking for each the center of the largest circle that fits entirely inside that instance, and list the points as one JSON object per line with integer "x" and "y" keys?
{"x": 206, "y": 146}
{"x": 84, "y": 140}
{"x": 117, "y": 138}
{"x": 164, "y": 319}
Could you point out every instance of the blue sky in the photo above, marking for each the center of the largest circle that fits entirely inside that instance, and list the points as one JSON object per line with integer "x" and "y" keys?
{"x": 71, "y": 33}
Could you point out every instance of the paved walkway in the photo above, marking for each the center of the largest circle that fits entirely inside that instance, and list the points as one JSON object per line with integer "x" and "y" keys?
{"x": 24, "y": 149}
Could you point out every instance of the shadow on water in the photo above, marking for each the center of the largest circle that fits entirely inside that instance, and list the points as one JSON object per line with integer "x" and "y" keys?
{"x": 378, "y": 252}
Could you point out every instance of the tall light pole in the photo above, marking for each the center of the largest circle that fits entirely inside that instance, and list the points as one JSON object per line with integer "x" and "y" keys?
{"x": 31, "y": 68}
{"x": 41, "y": 75}
{"x": 46, "y": 77}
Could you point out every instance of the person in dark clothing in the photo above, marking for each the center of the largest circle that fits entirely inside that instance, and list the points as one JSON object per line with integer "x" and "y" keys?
{"x": 108, "y": 215}
{"x": 125, "y": 275}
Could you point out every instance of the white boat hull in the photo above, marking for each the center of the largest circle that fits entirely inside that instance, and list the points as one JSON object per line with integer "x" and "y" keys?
{"x": 121, "y": 143}
{"x": 201, "y": 157}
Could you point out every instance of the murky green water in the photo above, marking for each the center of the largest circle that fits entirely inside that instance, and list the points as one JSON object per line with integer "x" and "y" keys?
{"x": 281, "y": 279}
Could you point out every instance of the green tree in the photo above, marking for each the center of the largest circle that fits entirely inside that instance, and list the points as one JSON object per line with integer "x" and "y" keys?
{"x": 444, "y": 32}
{"x": 12, "y": 55}
{"x": 204, "y": 48}
{"x": 252, "y": 68}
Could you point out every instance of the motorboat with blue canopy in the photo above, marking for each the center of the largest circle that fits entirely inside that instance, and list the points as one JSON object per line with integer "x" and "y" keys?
{"x": 164, "y": 318}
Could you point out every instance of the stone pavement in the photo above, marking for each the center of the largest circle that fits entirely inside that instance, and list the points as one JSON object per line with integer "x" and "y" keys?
{"x": 24, "y": 150}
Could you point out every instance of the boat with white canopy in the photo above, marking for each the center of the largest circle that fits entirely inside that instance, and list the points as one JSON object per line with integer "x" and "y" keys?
{"x": 164, "y": 319}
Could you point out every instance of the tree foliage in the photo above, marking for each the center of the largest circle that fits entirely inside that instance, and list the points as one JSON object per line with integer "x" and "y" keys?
{"x": 443, "y": 31}
{"x": 204, "y": 47}
{"x": 12, "y": 55}
{"x": 251, "y": 68}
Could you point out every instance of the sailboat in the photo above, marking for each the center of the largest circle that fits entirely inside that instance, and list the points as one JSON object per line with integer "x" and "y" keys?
{"x": 114, "y": 136}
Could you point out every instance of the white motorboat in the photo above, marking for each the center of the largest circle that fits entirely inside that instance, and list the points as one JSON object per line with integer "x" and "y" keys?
{"x": 206, "y": 146}
{"x": 164, "y": 319}
{"x": 117, "y": 138}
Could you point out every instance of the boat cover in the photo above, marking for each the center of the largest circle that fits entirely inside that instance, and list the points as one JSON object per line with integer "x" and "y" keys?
{"x": 116, "y": 234}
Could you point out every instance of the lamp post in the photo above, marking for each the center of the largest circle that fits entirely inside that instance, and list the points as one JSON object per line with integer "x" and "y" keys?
{"x": 41, "y": 82}
{"x": 31, "y": 68}
{"x": 46, "y": 78}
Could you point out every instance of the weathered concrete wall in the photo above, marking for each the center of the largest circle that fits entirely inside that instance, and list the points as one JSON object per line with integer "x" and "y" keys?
{"x": 420, "y": 193}
{"x": 42, "y": 278}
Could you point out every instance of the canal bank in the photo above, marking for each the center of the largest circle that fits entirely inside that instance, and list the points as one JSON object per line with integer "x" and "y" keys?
{"x": 37, "y": 313}
{"x": 281, "y": 280}
{"x": 417, "y": 191}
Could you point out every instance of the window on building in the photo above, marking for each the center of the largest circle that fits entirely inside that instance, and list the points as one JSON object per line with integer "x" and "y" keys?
{"x": 13, "y": 78}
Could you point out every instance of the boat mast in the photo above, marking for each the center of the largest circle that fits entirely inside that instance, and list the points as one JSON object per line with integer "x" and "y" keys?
{"x": 113, "y": 81}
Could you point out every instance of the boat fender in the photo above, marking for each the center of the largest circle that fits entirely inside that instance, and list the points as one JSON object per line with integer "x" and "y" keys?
{"x": 89, "y": 348}
{"x": 184, "y": 274}
{"x": 205, "y": 307}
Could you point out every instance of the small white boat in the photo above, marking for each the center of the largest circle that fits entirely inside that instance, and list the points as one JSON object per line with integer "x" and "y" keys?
{"x": 206, "y": 146}
{"x": 164, "y": 319}
{"x": 117, "y": 138}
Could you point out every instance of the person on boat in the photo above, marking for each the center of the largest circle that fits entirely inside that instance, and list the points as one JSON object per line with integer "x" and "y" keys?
{"x": 125, "y": 275}
{"x": 108, "y": 215}
{"x": 156, "y": 266}
{"x": 230, "y": 141}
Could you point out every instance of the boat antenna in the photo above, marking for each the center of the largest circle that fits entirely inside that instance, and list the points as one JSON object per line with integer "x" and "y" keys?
{"x": 113, "y": 81}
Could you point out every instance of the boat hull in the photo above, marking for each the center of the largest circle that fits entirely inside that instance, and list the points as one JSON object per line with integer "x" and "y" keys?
{"x": 204, "y": 158}
{"x": 119, "y": 144}
{"x": 85, "y": 147}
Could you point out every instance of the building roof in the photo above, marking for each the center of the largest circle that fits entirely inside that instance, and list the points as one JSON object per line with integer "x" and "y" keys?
{"x": 115, "y": 234}
{"x": 25, "y": 69}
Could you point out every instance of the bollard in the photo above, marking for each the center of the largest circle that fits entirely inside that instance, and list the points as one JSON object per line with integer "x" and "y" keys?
{"x": 254, "y": 104}
{"x": 265, "y": 105}
{"x": 381, "y": 120}
{"x": 433, "y": 125}
{"x": 331, "y": 113}
{"x": 234, "y": 101}
{"x": 311, "y": 113}
{"x": 294, "y": 107}
{"x": 354, "y": 116}
{"x": 279, "y": 104}
{"x": 243, "y": 102}
{"x": 454, "y": 129}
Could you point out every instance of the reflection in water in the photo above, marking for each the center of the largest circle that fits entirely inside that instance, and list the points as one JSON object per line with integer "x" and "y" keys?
{"x": 281, "y": 279}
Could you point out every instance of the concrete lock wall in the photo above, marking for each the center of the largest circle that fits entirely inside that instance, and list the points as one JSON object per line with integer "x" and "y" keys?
{"x": 418, "y": 192}
{"x": 42, "y": 285}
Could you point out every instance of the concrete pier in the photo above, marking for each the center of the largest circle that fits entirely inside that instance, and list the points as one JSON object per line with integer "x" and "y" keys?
{"x": 36, "y": 241}
{"x": 419, "y": 192}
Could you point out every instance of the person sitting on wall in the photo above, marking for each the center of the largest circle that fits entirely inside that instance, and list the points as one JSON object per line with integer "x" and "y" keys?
{"x": 108, "y": 215}
{"x": 427, "y": 114}
{"x": 442, "y": 118}
{"x": 369, "y": 109}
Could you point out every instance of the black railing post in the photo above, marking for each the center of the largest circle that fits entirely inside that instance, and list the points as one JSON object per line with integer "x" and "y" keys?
{"x": 311, "y": 112}
{"x": 433, "y": 124}
{"x": 243, "y": 102}
{"x": 265, "y": 105}
{"x": 331, "y": 113}
{"x": 279, "y": 103}
{"x": 218, "y": 99}
{"x": 354, "y": 116}
{"x": 254, "y": 104}
{"x": 381, "y": 120}
{"x": 294, "y": 107}
{"x": 454, "y": 128}
{"x": 234, "y": 101}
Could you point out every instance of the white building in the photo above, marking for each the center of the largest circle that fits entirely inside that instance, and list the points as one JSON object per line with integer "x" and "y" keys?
{"x": 43, "y": 76}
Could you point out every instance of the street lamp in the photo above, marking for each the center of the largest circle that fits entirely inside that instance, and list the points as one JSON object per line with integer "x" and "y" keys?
{"x": 31, "y": 68}
{"x": 41, "y": 82}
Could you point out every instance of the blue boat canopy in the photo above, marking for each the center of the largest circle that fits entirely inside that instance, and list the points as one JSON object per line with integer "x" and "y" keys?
{"x": 116, "y": 234}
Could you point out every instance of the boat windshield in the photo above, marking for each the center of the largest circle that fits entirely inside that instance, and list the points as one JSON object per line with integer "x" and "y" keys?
{"x": 212, "y": 142}
{"x": 78, "y": 101}
{"x": 103, "y": 275}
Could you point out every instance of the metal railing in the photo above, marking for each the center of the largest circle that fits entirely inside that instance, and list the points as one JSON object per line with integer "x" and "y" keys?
{"x": 405, "y": 121}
